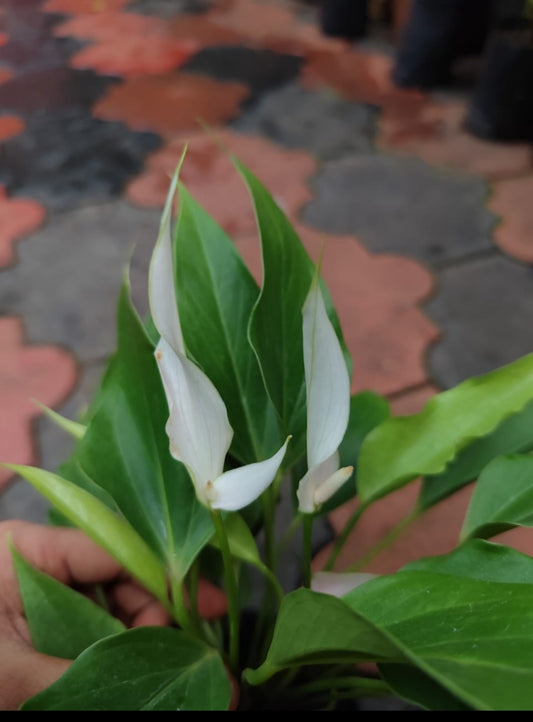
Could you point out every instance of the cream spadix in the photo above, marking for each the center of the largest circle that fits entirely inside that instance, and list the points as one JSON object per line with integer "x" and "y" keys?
{"x": 328, "y": 404}
{"x": 198, "y": 427}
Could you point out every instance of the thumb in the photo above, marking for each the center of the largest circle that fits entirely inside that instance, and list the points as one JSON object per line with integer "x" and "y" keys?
{"x": 25, "y": 672}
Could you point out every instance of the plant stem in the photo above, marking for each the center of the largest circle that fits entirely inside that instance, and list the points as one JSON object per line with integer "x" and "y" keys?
{"x": 179, "y": 607}
{"x": 307, "y": 544}
{"x": 384, "y": 542}
{"x": 343, "y": 537}
{"x": 359, "y": 685}
{"x": 231, "y": 590}
{"x": 193, "y": 596}
{"x": 268, "y": 501}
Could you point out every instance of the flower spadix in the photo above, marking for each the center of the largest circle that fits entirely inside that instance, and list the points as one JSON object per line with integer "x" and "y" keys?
{"x": 328, "y": 404}
{"x": 198, "y": 427}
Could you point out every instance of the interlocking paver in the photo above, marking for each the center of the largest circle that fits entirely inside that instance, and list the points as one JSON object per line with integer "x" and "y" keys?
{"x": 18, "y": 218}
{"x": 402, "y": 205}
{"x": 126, "y": 44}
{"x": 169, "y": 103}
{"x": 511, "y": 200}
{"x": 26, "y": 372}
{"x": 434, "y": 132}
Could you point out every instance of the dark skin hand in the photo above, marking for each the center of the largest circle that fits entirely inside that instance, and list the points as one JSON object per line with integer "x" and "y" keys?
{"x": 71, "y": 558}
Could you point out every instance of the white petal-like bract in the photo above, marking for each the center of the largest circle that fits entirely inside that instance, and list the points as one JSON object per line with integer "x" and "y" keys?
{"x": 237, "y": 488}
{"x": 327, "y": 381}
{"x": 198, "y": 427}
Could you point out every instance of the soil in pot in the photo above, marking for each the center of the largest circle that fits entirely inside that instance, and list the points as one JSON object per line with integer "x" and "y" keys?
{"x": 502, "y": 104}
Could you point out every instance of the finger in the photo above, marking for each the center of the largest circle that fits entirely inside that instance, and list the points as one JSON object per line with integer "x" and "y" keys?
{"x": 24, "y": 673}
{"x": 136, "y": 607}
{"x": 212, "y": 601}
{"x": 66, "y": 554}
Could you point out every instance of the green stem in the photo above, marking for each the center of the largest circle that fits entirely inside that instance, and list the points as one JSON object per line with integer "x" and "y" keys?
{"x": 359, "y": 685}
{"x": 285, "y": 539}
{"x": 343, "y": 537}
{"x": 193, "y": 578}
{"x": 179, "y": 607}
{"x": 307, "y": 545}
{"x": 268, "y": 501}
{"x": 384, "y": 542}
{"x": 231, "y": 590}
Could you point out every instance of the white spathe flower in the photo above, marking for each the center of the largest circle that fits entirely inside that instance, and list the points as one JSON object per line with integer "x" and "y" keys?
{"x": 198, "y": 427}
{"x": 328, "y": 404}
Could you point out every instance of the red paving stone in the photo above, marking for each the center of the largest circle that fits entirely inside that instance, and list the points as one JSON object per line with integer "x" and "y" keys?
{"x": 377, "y": 298}
{"x": 126, "y": 44}
{"x": 512, "y": 200}
{"x": 83, "y": 7}
{"x": 10, "y": 126}
{"x": 4, "y": 37}
{"x": 360, "y": 76}
{"x": 44, "y": 373}
{"x": 18, "y": 217}
{"x": 211, "y": 178}
{"x": 170, "y": 103}
{"x": 5, "y": 75}
{"x": 266, "y": 24}
{"x": 434, "y": 132}
{"x": 204, "y": 31}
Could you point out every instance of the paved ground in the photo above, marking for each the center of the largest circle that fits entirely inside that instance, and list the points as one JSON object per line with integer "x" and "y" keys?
{"x": 429, "y": 230}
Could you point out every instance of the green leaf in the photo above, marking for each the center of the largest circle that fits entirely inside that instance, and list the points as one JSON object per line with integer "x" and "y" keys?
{"x": 70, "y": 427}
{"x": 216, "y": 295}
{"x": 110, "y": 532}
{"x": 126, "y": 451}
{"x": 418, "y": 688}
{"x": 276, "y": 323}
{"x": 367, "y": 410}
{"x": 472, "y": 637}
{"x": 478, "y": 559}
{"x": 62, "y": 621}
{"x": 502, "y": 498}
{"x": 149, "y": 668}
{"x": 314, "y": 628}
{"x": 512, "y": 436}
{"x": 402, "y": 448}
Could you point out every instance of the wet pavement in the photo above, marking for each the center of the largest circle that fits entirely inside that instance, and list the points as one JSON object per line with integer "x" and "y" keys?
{"x": 428, "y": 230}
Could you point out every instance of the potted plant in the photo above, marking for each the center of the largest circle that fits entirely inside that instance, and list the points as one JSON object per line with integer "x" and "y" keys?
{"x": 502, "y": 102}
{"x": 228, "y": 395}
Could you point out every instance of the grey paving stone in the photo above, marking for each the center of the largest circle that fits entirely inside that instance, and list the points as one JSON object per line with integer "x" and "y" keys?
{"x": 484, "y": 309}
{"x": 320, "y": 122}
{"x": 21, "y": 501}
{"x": 66, "y": 158}
{"x": 67, "y": 279}
{"x": 260, "y": 69}
{"x": 401, "y": 205}
{"x": 169, "y": 8}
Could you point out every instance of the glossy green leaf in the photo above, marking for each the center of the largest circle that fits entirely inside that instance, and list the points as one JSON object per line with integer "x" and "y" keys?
{"x": 472, "y": 637}
{"x": 149, "y": 668}
{"x": 367, "y": 410}
{"x": 216, "y": 294}
{"x": 403, "y": 448}
{"x": 479, "y": 559}
{"x": 418, "y": 688}
{"x": 502, "y": 498}
{"x": 276, "y": 323}
{"x": 513, "y": 436}
{"x": 62, "y": 621}
{"x": 101, "y": 524}
{"x": 314, "y": 628}
{"x": 126, "y": 451}
{"x": 73, "y": 428}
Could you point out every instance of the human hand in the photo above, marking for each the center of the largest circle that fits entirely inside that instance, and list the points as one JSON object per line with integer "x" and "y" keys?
{"x": 71, "y": 558}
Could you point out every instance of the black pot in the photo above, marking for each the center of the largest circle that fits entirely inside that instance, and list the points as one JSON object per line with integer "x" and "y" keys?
{"x": 502, "y": 103}
{"x": 344, "y": 18}
{"x": 438, "y": 32}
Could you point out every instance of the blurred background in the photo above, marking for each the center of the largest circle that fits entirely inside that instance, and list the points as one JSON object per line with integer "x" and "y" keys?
{"x": 397, "y": 132}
